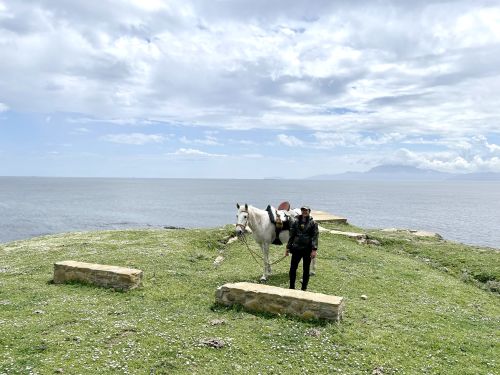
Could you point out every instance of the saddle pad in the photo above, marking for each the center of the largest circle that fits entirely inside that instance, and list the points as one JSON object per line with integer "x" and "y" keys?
{"x": 284, "y": 206}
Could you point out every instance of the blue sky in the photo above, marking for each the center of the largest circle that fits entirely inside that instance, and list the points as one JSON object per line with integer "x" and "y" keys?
{"x": 247, "y": 89}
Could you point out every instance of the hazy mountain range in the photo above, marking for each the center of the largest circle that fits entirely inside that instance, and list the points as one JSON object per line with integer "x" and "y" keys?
{"x": 406, "y": 173}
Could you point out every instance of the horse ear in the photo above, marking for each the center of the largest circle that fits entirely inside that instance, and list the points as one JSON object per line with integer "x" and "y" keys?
{"x": 238, "y": 206}
{"x": 246, "y": 207}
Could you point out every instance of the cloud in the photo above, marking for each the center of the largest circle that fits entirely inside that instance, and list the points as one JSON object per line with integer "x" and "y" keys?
{"x": 134, "y": 138}
{"x": 332, "y": 140}
{"x": 251, "y": 64}
{"x": 289, "y": 140}
{"x": 190, "y": 152}
{"x": 446, "y": 161}
{"x": 252, "y": 156}
{"x": 421, "y": 76}
{"x": 208, "y": 140}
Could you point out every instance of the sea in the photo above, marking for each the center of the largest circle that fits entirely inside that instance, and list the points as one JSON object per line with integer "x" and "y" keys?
{"x": 461, "y": 211}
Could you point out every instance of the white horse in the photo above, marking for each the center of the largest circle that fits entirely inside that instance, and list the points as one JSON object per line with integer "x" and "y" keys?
{"x": 264, "y": 232}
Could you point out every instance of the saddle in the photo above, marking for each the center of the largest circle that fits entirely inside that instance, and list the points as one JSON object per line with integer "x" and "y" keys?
{"x": 281, "y": 218}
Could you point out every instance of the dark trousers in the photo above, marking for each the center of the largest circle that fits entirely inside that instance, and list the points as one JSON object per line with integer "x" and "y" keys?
{"x": 306, "y": 263}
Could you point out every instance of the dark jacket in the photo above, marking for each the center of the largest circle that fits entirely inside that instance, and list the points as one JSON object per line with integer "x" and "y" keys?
{"x": 303, "y": 234}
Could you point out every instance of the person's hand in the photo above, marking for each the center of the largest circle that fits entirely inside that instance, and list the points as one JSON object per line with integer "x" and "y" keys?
{"x": 313, "y": 254}
{"x": 287, "y": 252}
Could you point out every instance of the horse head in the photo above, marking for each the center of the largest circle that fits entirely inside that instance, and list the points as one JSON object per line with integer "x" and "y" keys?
{"x": 241, "y": 219}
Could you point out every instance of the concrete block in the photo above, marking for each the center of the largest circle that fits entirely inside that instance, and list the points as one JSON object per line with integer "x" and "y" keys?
{"x": 276, "y": 300}
{"x": 97, "y": 274}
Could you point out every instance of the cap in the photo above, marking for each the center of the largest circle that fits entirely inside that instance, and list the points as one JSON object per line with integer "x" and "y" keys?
{"x": 305, "y": 208}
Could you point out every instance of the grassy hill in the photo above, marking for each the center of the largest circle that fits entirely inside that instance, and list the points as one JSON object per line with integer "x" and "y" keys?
{"x": 432, "y": 308}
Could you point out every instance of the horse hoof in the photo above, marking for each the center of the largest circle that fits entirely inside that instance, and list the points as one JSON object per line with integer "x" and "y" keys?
{"x": 263, "y": 280}
{"x": 312, "y": 273}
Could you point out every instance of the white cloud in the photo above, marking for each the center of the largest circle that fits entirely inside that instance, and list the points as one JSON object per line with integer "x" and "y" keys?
{"x": 142, "y": 60}
{"x": 245, "y": 142}
{"x": 357, "y": 74}
{"x": 208, "y": 140}
{"x": 332, "y": 140}
{"x": 252, "y": 156}
{"x": 289, "y": 140}
{"x": 190, "y": 152}
{"x": 134, "y": 138}
{"x": 493, "y": 147}
{"x": 446, "y": 161}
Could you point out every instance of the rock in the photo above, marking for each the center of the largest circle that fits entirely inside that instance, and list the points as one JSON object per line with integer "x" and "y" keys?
{"x": 218, "y": 261}
{"x": 314, "y": 332}
{"x": 231, "y": 240}
{"x": 38, "y": 312}
{"x": 216, "y": 322}
{"x": 364, "y": 296}
{"x": 373, "y": 242}
{"x": 390, "y": 230}
{"x": 378, "y": 371}
{"x": 213, "y": 343}
{"x": 423, "y": 233}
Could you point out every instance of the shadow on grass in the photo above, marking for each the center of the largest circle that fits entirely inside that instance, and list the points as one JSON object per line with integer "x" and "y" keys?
{"x": 89, "y": 286}
{"x": 218, "y": 308}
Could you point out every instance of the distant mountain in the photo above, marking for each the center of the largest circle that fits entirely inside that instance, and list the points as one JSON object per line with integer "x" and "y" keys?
{"x": 388, "y": 172}
{"x": 406, "y": 173}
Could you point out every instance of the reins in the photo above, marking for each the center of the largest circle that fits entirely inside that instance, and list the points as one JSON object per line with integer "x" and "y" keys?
{"x": 254, "y": 255}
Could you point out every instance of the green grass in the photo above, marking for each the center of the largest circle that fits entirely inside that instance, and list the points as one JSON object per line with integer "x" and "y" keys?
{"x": 419, "y": 318}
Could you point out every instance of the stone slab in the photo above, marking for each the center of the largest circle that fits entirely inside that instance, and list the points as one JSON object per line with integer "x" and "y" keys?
{"x": 276, "y": 300}
{"x": 107, "y": 276}
{"x": 415, "y": 232}
{"x": 357, "y": 236}
{"x": 354, "y": 235}
{"x": 322, "y": 216}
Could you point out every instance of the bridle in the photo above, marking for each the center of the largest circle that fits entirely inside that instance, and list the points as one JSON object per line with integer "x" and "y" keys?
{"x": 243, "y": 226}
{"x": 243, "y": 238}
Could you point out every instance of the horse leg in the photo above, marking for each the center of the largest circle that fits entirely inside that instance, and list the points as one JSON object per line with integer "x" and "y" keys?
{"x": 267, "y": 266}
{"x": 312, "y": 271}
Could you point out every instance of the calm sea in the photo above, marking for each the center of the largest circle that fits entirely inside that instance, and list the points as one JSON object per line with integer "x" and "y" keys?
{"x": 467, "y": 212}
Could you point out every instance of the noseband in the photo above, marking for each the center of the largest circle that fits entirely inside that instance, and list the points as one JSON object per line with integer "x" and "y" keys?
{"x": 243, "y": 226}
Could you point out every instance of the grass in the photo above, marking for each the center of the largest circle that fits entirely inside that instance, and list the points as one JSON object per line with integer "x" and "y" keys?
{"x": 419, "y": 318}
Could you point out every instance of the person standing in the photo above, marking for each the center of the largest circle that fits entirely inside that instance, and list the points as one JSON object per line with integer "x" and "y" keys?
{"x": 303, "y": 245}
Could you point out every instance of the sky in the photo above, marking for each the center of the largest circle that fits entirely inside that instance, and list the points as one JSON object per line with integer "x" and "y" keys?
{"x": 247, "y": 89}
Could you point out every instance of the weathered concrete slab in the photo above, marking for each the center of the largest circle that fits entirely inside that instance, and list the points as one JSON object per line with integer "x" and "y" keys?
{"x": 423, "y": 233}
{"x": 272, "y": 299}
{"x": 322, "y": 216}
{"x": 354, "y": 235}
{"x": 97, "y": 274}
{"x": 415, "y": 232}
